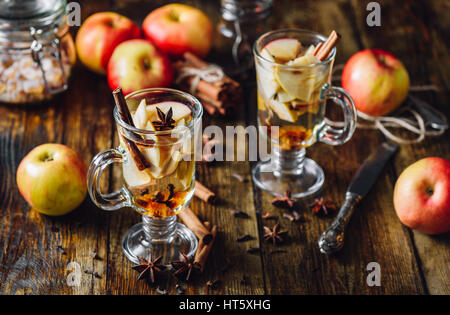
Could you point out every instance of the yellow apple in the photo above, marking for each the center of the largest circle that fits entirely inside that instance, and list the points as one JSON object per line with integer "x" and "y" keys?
{"x": 52, "y": 179}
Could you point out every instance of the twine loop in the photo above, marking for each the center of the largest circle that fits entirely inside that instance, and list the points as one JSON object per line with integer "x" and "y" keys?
{"x": 416, "y": 126}
{"x": 211, "y": 73}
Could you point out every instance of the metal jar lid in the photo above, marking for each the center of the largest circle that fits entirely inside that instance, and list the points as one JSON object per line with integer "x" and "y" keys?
{"x": 17, "y": 17}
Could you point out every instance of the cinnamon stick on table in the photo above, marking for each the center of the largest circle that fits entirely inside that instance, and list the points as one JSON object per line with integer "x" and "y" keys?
{"x": 195, "y": 225}
{"x": 125, "y": 115}
{"x": 204, "y": 249}
{"x": 204, "y": 193}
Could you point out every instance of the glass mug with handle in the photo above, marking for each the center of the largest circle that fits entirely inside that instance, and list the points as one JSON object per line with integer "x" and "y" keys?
{"x": 164, "y": 136}
{"x": 293, "y": 87}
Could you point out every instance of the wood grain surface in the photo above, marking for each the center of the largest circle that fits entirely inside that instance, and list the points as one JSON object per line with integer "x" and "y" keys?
{"x": 36, "y": 250}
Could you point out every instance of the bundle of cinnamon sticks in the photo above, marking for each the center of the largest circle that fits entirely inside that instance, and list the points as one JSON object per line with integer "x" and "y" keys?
{"x": 218, "y": 97}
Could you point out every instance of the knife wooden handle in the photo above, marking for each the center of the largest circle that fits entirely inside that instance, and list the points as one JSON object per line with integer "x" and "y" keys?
{"x": 332, "y": 239}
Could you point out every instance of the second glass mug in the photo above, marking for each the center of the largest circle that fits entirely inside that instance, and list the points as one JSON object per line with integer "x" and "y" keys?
{"x": 162, "y": 190}
{"x": 293, "y": 98}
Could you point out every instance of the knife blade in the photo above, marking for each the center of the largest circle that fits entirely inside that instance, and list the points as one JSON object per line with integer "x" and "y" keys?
{"x": 431, "y": 115}
{"x": 365, "y": 177}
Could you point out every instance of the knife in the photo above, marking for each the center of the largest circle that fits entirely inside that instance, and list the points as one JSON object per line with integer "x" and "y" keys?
{"x": 332, "y": 239}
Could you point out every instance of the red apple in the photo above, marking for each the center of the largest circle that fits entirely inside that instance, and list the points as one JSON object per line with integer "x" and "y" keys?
{"x": 178, "y": 28}
{"x": 99, "y": 35}
{"x": 422, "y": 196}
{"x": 137, "y": 64}
{"x": 377, "y": 81}
{"x": 52, "y": 179}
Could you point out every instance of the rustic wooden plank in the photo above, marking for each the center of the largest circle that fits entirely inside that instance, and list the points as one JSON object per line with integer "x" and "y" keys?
{"x": 421, "y": 28}
{"x": 374, "y": 234}
{"x": 31, "y": 261}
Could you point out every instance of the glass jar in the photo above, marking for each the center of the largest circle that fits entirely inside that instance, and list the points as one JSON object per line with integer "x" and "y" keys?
{"x": 242, "y": 22}
{"x": 37, "y": 52}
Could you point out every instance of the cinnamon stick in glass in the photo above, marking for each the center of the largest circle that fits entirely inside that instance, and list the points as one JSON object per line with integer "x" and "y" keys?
{"x": 195, "y": 225}
{"x": 326, "y": 48}
{"x": 125, "y": 115}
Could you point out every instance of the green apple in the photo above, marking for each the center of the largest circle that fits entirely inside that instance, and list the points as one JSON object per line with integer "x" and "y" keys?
{"x": 52, "y": 179}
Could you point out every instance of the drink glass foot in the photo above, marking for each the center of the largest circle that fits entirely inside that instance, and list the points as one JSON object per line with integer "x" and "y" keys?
{"x": 138, "y": 242}
{"x": 304, "y": 181}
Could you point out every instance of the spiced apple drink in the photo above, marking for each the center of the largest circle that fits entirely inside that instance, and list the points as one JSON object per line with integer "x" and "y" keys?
{"x": 157, "y": 129}
{"x": 290, "y": 78}
{"x": 293, "y": 69}
{"x": 167, "y": 183}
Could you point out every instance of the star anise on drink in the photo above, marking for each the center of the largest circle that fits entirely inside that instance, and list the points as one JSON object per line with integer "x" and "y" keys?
{"x": 321, "y": 205}
{"x": 149, "y": 267}
{"x": 165, "y": 121}
{"x": 275, "y": 234}
{"x": 284, "y": 201}
{"x": 159, "y": 197}
{"x": 185, "y": 266}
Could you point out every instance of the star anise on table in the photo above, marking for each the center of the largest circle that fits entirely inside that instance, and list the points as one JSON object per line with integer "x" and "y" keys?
{"x": 284, "y": 201}
{"x": 275, "y": 235}
{"x": 185, "y": 266}
{"x": 322, "y": 205}
{"x": 165, "y": 121}
{"x": 149, "y": 267}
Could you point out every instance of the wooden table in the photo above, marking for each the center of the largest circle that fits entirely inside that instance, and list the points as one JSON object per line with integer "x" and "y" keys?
{"x": 411, "y": 262}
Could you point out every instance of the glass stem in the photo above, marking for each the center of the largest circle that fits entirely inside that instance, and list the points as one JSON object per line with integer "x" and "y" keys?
{"x": 159, "y": 229}
{"x": 288, "y": 162}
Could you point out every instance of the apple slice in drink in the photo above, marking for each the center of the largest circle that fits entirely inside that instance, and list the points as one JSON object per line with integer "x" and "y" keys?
{"x": 298, "y": 83}
{"x": 184, "y": 173}
{"x": 284, "y": 49}
{"x": 300, "y": 86}
{"x": 132, "y": 175}
{"x": 140, "y": 116}
{"x": 283, "y": 110}
{"x": 260, "y": 101}
{"x": 303, "y": 61}
{"x": 153, "y": 154}
{"x": 283, "y": 97}
{"x": 310, "y": 50}
{"x": 265, "y": 76}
